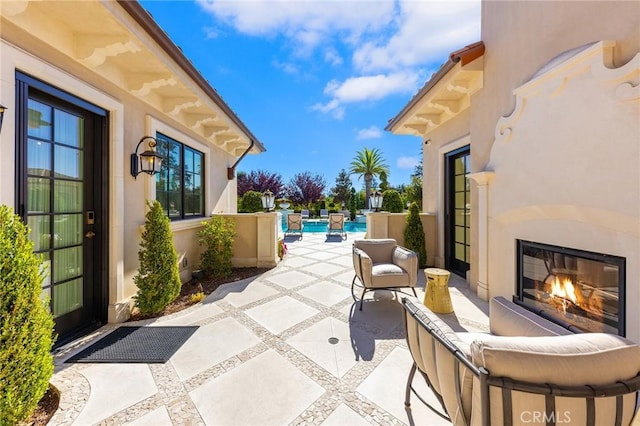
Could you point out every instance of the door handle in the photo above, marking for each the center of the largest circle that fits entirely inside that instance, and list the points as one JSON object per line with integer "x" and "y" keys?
{"x": 90, "y": 234}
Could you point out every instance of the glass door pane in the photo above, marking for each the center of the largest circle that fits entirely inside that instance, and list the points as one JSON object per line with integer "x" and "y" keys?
{"x": 458, "y": 211}
{"x": 55, "y": 188}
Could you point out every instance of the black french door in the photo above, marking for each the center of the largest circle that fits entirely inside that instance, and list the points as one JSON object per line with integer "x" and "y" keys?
{"x": 61, "y": 164}
{"x": 457, "y": 211}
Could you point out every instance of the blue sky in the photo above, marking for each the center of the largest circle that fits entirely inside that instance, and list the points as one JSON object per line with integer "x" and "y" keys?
{"x": 317, "y": 81}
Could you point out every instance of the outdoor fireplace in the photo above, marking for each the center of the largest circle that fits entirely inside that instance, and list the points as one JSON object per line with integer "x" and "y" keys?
{"x": 581, "y": 290}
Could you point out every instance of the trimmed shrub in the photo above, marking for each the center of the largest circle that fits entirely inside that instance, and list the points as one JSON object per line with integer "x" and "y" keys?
{"x": 251, "y": 202}
{"x": 414, "y": 235}
{"x": 26, "y": 324}
{"x": 217, "y": 236}
{"x": 158, "y": 278}
{"x": 392, "y": 201}
{"x": 353, "y": 204}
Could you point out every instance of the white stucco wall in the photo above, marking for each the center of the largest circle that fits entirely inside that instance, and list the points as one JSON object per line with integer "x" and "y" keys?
{"x": 566, "y": 168}
{"x": 129, "y": 120}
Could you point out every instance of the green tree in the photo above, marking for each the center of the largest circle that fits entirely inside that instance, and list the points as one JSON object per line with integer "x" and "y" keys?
{"x": 251, "y": 202}
{"x": 26, "y": 324}
{"x": 217, "y": 236}
{"x": 368, "y": 163}
{"x": 414, "y": 235}
{"x": 158, "y": 278}
{"x": 353, "y": 203}
{"x": 342, "y": 191}
{"x": 392, "y": 201}
{"x": 384, "y": 183}
{"x": 413, "y": 191}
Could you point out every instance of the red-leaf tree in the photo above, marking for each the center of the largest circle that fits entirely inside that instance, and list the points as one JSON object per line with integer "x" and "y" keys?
{"x": 305, "y": 188}
{"x": 260, "y": 181}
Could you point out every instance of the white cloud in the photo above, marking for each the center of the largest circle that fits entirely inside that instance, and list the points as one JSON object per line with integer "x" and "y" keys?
{"x": 372, "y": 132}
{"x": 332, "y": 107}
{"x": 365, "y": 89}
{"x": 407, "y": 162}
{"x": 392, "y": 42}
{"x": 287, "y": 67}
{"x": 372, "y": 87}
{"x": 427, "y": 32}
{"x": 332, "y": 57}
{"x": 305, "y": 22}
{"x": 211, "y": 32}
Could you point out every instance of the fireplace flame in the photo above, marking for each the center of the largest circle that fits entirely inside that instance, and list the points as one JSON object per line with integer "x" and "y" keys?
{"x": 564, "y": 290}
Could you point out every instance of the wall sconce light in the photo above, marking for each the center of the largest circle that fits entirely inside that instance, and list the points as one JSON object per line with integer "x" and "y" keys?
{"x": 375, "y": 200}
{"x": 148, "y": 162}
{"x": 2, "y": 110}
{"x": 268, "y": 199}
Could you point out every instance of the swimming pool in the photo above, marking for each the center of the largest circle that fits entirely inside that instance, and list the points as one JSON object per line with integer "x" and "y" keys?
{"x": 318, "y": 225}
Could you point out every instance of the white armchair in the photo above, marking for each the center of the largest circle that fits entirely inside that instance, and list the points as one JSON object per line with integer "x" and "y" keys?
{"x": 383, "y": 264}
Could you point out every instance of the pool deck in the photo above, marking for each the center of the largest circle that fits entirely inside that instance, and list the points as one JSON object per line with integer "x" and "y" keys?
{"x": 286, "y": 347}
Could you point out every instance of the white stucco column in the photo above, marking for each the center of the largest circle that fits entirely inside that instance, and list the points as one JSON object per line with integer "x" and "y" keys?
{"x": 378, "y": 225}
{"x": 482, "y": 180}
{"x": 267, "y": 240}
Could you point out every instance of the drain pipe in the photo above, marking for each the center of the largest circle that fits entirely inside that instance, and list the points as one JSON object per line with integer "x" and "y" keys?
{"x": 231, "y": 171}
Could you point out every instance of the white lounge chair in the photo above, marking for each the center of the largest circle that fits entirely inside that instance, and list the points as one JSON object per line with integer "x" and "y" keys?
{"x": 324, "y": 214}
{"x": 305, "y": 214}
{"x": 336, "y": 225}
{"x": 294, "y": 225}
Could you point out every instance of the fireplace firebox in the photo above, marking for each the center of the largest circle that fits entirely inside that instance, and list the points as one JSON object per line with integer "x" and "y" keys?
{"x": 581, "y": 290}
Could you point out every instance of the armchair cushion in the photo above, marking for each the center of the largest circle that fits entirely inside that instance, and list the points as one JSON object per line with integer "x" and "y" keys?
{"x": 510, "y": 319}
{"x": 576, "y": 360}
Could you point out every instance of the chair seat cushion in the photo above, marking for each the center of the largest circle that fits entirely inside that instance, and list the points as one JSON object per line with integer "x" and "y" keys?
{"x": 388, "y": 275}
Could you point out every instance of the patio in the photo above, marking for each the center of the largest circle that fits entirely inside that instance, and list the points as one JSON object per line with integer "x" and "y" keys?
{"x": 286, "y": 347}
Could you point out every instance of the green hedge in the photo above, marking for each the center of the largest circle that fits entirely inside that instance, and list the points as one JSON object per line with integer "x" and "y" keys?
{"x": 414, "y": 235}
{"x": 158, "y": 278}
{"x": 26, "y": 324}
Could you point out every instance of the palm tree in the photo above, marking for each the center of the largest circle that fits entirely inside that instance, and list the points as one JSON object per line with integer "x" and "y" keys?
{"x": 368, "y": 163}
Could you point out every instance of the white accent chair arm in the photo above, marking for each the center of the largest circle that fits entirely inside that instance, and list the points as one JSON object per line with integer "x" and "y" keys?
{"x": 407, "y": 260}
{"x": 363, "y": 266}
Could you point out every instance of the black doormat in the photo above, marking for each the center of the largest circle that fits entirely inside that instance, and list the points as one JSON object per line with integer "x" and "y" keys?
{"x": 136, "y": 345}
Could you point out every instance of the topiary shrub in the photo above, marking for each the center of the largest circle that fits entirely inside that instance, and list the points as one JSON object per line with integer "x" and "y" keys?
{"x": 414, "y": 235}
{"x": 353, "y": 204}
{"x": 392, "y": 201}
{"x": 26, "y": 324}
{"x": 252, "y": 202}
{"x": 217, "y": 236}
{"x": 158, "y": 278}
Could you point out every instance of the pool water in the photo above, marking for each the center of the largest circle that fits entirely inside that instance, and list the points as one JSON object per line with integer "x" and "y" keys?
{"x": 321, "y": 226}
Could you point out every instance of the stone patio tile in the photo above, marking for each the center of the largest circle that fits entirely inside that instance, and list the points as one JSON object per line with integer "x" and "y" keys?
{"x": 345, "y": 277}
{"x": 321, "y": 255}
{"x": 326, "y": 293}
{"x": 115, "y": 387}
{"x": 291, "y": 279}
{"x": 294, "y": 261}
{"x": 266, "y": 390}
{"x": 382, "y": 313}
{"x": 385, "y": 387}
{"x": 324, "y": 269}
{"x": 300, "y": 251}
{"x": 343, "y": 415}
{"x": 157, "y": 417}
{"x": 336, "y": 358}
{"x": 210, "y": 345}
{"x": 203, "y": 311}
{"x": 255, "y": 291}
{"x": 281, "y": 314}
{"x": 344, "y": 259}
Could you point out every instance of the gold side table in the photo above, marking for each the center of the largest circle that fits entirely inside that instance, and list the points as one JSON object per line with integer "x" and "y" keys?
{"x": 437, "y": 297}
